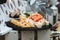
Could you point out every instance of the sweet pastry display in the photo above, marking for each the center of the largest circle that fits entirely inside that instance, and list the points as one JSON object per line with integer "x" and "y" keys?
{"x": 15, "y": 22}
{"x": 38, "y": 20}
{"x": 32, "y": 20}
{"x": 22, "y": 22}
{"x": 36, "y": 17}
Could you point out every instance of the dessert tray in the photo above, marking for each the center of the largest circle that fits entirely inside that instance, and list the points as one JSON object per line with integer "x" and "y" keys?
{"x": 33, "y": 21}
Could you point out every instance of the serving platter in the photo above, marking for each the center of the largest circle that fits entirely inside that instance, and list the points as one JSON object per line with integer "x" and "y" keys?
{"x": 44, "y": 27}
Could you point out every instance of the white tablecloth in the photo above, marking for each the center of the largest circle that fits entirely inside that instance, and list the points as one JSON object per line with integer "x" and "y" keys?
{"x": 4, "y": 30}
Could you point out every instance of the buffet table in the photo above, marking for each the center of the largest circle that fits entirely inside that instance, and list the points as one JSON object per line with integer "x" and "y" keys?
{"x": 34, "y": 30}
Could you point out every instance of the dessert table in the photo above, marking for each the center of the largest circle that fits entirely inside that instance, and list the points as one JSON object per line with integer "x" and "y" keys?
{"x": 35, "y": 30}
